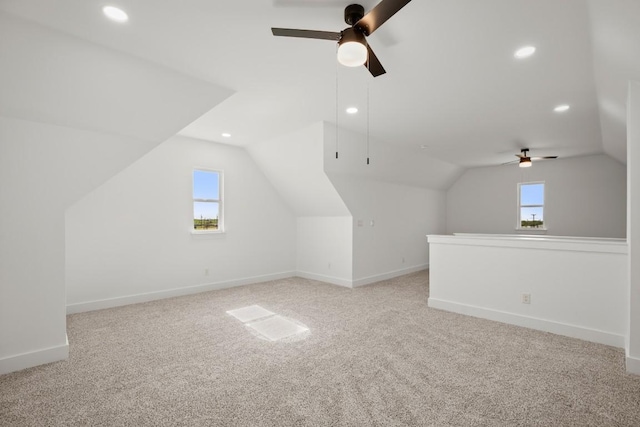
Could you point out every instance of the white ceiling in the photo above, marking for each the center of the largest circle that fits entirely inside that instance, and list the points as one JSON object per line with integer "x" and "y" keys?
{"x": 452, "y": 82}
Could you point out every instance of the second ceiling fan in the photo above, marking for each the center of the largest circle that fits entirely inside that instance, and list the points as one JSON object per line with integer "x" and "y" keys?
{"x": 525, "y": 159}
{"x": 353, "y": 49}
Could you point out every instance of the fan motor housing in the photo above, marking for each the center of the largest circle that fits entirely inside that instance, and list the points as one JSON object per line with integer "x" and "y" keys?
{"x": 353, "y": 13}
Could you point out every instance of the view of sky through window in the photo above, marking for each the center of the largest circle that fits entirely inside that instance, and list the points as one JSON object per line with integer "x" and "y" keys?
{"x": 532, "y": 214}
{"x": 531, "y": 205}
{"x": 206, "y": 185}
{"x": 206, "y": 199}
{"x": 532, "y": 194}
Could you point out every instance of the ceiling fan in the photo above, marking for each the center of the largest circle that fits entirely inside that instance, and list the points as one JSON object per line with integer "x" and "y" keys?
{"x": 525, "y": 159}
{"x": 353, "y": 49}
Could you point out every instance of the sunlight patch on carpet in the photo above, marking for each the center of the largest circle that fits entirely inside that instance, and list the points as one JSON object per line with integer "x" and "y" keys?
{"x": 276, "y": 328}
{"x": 252, "y": 312}
{"x": 269, "y": 326}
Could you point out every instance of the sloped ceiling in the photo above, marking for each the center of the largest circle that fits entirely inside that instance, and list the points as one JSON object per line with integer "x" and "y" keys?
{"x": 616, "y": 43}
{"x": 293, "y": 163}
{"x": 397, "y": 164}
{"x": 452, "y": 85}
{"x": 50, "y": 77}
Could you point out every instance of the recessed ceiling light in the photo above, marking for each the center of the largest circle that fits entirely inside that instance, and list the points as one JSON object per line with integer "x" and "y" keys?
{"x": 226, "y": 135}
{"x": 525, "y": 52}
{"x": 115, "y": 14}
{"x": 424, "y": 146}
{"x": 352, "y": 110}
{"x": 561, "y": 108}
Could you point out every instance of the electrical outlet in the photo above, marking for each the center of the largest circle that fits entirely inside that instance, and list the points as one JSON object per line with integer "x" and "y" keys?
{"x": 526, "y": 298}
{"x": 360, "y": 223}
{"x": 329, "y": 266}
{"x": 403, "y": 260}
{"x": 206, "y": 271}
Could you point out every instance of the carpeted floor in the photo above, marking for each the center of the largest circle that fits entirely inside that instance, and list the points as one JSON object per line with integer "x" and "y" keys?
{"x": 374, "y": 356}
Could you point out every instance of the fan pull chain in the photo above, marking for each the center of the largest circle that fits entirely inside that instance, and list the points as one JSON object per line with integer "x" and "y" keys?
{"x": 336, "y": 104}
{"x": 368, "y": 108}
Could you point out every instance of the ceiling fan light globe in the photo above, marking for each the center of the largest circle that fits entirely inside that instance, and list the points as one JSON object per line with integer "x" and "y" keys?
{"x": 352, "y": 54}
{"x": 525, "y": 162}
{"x": 352, "y": 48}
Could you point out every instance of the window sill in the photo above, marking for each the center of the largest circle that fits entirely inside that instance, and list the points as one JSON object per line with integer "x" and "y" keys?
{"x": 207, "y": 233}
{"x": 532, "y": 230}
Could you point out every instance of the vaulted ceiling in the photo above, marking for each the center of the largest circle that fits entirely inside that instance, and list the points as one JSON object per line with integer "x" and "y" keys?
{"x": 453, "y": 89}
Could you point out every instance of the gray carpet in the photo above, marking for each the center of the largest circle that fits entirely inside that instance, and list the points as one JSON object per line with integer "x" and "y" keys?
{"x": 376, "y": 355}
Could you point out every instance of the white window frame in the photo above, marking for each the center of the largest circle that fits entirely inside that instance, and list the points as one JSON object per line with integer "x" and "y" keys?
{"x": 520, "y": 206}
{"x": 219, "y": 201}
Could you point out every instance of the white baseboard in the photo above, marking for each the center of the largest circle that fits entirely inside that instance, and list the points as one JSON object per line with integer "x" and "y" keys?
{"x": 347, "y": 283}
{"x": 188, "y": 290}
{"x": 169, "y": 293}
{"x": 573, "y": 331}
{"x": 633, "y": 365}
{"x": 34, "y": 358}
{"x": 389, "y": 275}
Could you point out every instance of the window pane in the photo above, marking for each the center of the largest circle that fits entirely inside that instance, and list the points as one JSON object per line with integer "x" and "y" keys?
{"x": 206, "y": 185}
{"x": 205, "y": 215}
{"x": 532, "y": 194}
{"x": 532, "y": 217}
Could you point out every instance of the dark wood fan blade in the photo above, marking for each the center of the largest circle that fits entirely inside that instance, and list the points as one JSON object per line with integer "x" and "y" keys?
{"x": 544, "y": 158}
{"x": 379, "y": 15}
{"x": 510, "y": 163}
{"x": 307, "y": 34}
{"x": 373, "y": 64}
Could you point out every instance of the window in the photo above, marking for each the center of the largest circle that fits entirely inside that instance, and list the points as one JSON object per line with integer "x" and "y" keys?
{"x": 531, "y": 205}
{"x": 207, "y": 200}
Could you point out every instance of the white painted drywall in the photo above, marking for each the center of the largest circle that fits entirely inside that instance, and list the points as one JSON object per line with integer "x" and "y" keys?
{"x": 398, "y": 191}
{"x": 132, "y": 236}
{"x": 294, "y": 165}
{"x": 614, "y": 32}
{"x": 324, "y": 249}
{"x": 72, "y": 114}
{"x": 43, "y": 168}
{"x": 633, "y": 226}
{"x": 585, "y": 196}
{"x": 390, "y": 222}
{"x": 577, "y": 288}
{"x": 388, "y": 161}
{"x": 51, "y": 77}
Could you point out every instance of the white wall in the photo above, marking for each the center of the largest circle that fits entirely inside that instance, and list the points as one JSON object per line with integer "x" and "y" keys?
{"x": 130, "y": 239}
{"x": 633, "y": 226}
{"x": 72, "y": 114}
{"x": 585, "y": 196}
{"x": 389, "y": 162}
{"x": 294, "y": 165}
{"x": 390, "y": 224}
{"x": 398, "y": 191}
{"x": 325, "y": 249}
{"x": 614, "y": 32}
{"x": 577, "y": 288}
{"x": 43, "y": 168}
